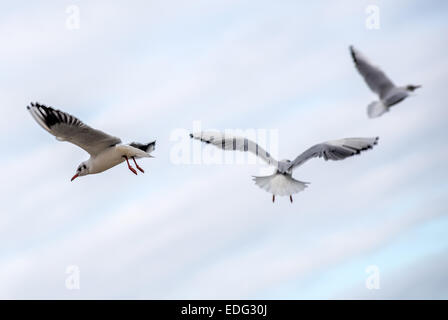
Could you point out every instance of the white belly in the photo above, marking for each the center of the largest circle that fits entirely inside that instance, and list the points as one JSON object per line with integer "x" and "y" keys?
{"x": 106, "y": 160}
{"x": 113, "y": 156}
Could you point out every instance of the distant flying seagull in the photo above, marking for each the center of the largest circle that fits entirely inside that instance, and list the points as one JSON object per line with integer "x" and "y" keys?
{"x": 105, "y": 151}
{"x": 379, "y": 83}
{"x": 281, "y": 182}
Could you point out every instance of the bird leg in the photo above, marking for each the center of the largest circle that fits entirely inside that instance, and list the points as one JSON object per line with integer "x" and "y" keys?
{"x": 273, "y": 198}
{"x": 290, "y": 198}
{"x": 129, "y": 166}
{"x": 143, "y": 171}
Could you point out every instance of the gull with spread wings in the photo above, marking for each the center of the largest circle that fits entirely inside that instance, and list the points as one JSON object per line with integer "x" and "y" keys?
{"x": 389, "y": 94}
{"x": 105, "y": 151}
{"x": 281, "y": 182}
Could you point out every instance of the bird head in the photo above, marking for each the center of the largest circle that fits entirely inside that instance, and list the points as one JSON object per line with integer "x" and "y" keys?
{"x": 283, "y": 166}
{"x": 83, "y": 169}
{"x": 412, "y": 87}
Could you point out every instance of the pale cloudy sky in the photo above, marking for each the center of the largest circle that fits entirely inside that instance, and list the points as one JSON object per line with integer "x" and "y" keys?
{"x": 141, "y": 69}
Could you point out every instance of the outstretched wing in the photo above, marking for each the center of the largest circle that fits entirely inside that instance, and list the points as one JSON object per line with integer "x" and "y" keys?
{"x": 335, "y": 150}
{"x": 66, "y": 127}
{"x": 376, "y": 79}
{"x": 230, "y": 142}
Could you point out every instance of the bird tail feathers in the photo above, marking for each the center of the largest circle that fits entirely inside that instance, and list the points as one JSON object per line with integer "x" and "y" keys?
{"x": 280, "y": 184}
{"x": 376, "y": 109}
{"x": 148, "y": 148}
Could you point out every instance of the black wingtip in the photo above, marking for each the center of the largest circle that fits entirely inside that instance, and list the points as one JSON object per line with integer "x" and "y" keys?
{"x": 191, "y": 135}
{"x": 353, "y": 53}
{"x": 38, "y": 105}
{"x": 35, "y": 105}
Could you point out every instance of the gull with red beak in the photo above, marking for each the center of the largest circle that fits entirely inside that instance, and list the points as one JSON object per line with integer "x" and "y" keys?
{"x": 105, "y": 150}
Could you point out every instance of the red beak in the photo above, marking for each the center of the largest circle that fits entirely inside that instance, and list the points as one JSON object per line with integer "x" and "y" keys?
{"x": 74, "y": 177}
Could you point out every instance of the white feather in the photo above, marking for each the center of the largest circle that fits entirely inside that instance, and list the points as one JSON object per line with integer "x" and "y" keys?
{"x": 280, "y": 184}
{"x": 376, "y": 109}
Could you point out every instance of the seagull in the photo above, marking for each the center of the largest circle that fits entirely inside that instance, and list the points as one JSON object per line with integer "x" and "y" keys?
{"x": 281, "y": 183}
{"x": 389, "y": 94}
{"x": 105, "y": 150}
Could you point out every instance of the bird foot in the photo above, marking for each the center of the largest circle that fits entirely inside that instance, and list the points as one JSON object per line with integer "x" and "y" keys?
{"x": 133, "y": 170}
{"x": 138, "y": 167}
{"x": 129, "y": 166}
